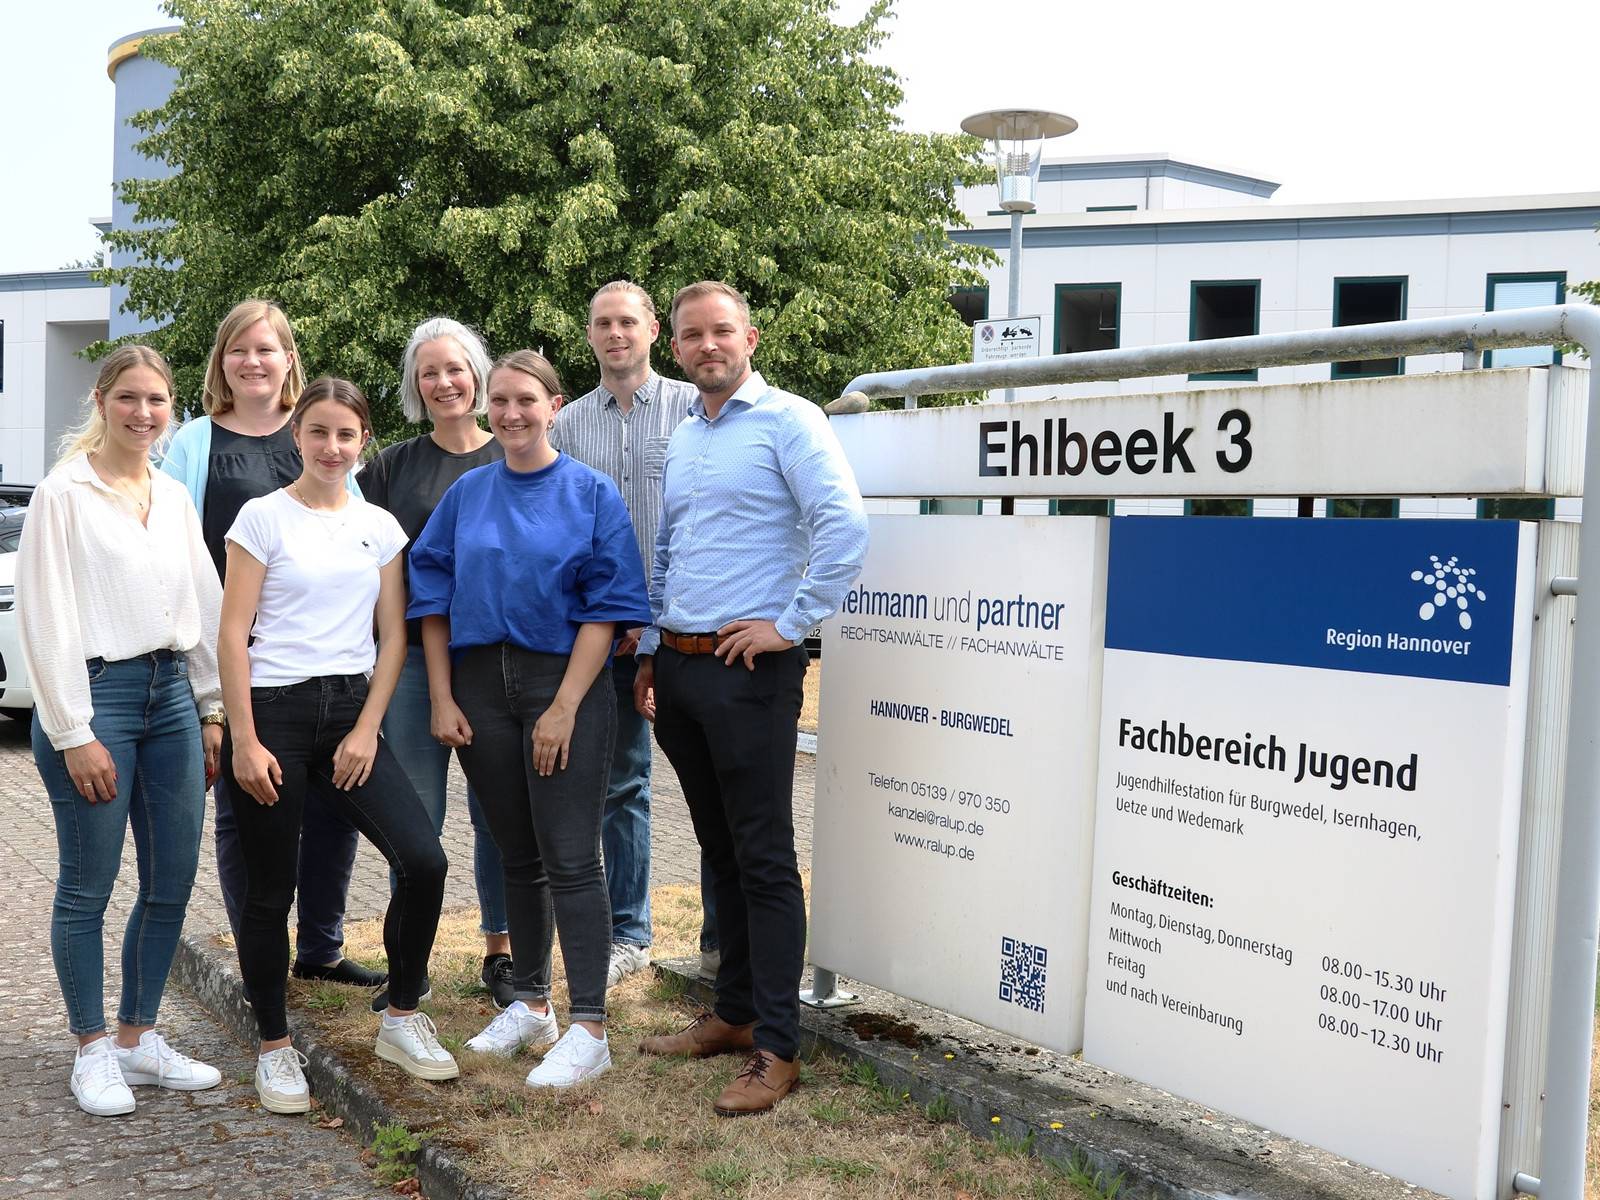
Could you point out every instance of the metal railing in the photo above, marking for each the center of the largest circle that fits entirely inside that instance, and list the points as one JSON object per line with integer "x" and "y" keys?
{"x": 1577, "y": 914}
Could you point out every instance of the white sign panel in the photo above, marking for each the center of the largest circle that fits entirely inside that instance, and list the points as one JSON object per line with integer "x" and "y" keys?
{"x": 1005, "y": 341}
{"x": 955, "y": 768}
{"x": 1475, "y": 433}
{"x": 1309, "y": 772}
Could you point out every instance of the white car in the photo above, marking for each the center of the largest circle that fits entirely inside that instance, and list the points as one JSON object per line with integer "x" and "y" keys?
{"x": 16, "y": 697}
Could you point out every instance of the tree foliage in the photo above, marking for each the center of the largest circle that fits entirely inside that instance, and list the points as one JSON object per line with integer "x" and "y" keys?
{"x": 369, "y": 163}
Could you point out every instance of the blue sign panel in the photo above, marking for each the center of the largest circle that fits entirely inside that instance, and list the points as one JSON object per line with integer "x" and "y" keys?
{"x": 1427, "y": 599}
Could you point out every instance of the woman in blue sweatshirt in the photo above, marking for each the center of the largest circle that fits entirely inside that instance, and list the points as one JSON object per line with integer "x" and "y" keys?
{"x": 520, "y": 578}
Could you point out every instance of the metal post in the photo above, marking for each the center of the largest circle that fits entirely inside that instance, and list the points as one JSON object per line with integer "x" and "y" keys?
{"x": 1014, "y": 283}
{"x": 824, "y": 991}
{"x": 1572, "y": 976}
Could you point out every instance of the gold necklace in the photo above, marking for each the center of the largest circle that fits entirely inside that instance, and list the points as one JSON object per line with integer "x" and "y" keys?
{"x": 121, "y": 486}
{"x": 324, "y": 516}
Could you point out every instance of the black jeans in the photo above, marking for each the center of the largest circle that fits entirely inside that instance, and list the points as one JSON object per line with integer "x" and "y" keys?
{"x": 302, "y": 725}
{"x": 729, "y": 733}
{"x": 546, "y": 826}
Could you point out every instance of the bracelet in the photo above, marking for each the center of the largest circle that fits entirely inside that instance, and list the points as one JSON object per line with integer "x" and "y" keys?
{"x": 214, "y": 718}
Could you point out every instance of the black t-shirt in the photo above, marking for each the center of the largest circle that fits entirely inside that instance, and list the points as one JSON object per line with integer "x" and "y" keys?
{"x": 241, "y": 468}
{"x": 410, "y": 478}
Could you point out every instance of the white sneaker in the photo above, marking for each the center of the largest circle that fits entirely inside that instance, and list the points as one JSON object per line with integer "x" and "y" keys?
{"x": 152, "y": 1061}
{"x": 281, "y": 1083}
{"x": 413, "y": 1046}
{"x": 517, "y": 1026}
{"x": 579, "y": 1055}
{"x": 97, "y": 1081}
{"x": 626, "y": 959}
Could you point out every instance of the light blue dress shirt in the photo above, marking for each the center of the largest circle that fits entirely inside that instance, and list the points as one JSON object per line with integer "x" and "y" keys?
{"x": 761, "y": 518}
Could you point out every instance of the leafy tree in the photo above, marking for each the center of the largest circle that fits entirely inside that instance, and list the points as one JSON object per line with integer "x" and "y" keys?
{"x": 369, "y": 163}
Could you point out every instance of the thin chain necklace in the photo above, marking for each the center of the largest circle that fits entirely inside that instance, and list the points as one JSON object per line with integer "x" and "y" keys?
{"x": 121, "y": 486}
{"x": 325, "y": 517}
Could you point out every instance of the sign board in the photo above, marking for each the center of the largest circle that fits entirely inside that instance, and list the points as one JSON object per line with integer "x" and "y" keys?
{"x": 1466, "y": 433}
{"x": 1005, "y": 341}
{"x": 1309, "y": 775}
{"x": 955, "y": 768}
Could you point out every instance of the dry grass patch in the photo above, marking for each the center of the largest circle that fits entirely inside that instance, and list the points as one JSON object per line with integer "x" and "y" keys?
{"x": 645, "y": 1129}
{"x": 812, "y": 703}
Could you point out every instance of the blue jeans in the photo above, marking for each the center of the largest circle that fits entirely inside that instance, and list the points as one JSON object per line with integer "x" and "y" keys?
{"x": 407, "y": 728}
{"x": 144, "y": 716}
{"x": 708, "y": 908}
{"x": 625, "y": 829}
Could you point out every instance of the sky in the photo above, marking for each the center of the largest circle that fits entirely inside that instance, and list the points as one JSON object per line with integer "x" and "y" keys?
{"x": 1336, "y": 101}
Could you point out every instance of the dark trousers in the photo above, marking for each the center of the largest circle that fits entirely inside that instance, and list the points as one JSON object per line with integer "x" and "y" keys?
{"x": 302, "y": 725}
{"x": 729, "y": 733}
{"x": 546, "y": 826}
{"x": 327, "y": 858}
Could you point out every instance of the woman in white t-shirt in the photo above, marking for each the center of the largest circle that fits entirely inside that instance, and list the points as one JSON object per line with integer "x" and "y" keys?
{"x": 309, "y": 569}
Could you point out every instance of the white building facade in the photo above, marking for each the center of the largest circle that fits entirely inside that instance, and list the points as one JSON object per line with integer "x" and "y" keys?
{"x": 47, "y": 319}
{"x": 1145, "y": 250}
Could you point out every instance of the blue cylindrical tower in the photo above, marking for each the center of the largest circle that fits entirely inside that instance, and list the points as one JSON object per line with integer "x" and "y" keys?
{"x": 141, "y": 83}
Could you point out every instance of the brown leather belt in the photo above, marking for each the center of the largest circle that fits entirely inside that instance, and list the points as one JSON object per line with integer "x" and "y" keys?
{"x": 691, "y": 643}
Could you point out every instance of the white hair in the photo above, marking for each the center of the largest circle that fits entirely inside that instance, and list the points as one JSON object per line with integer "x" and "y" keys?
{"x": 472, "y": 346}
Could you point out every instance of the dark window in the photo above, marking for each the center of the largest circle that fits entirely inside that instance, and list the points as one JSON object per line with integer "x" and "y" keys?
{"x": 1367, "y": 507}
{"x": 1517, "y": 508}
{"x": 1212, "y": 507}
{"x": 1525, "y": 291}
{"x": 1112, "y": 208}
{"x": 951, "y": 506}
{"x": 971, "y": 302}
{"x": 1071, "y": 507}
{"x": 1367, "y": 302}
{"x": 1224, "y": 308}
{"x": 1088, "y": 317}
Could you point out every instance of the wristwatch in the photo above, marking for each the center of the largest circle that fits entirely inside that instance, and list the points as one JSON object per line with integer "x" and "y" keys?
{"x": 214, "y": 718}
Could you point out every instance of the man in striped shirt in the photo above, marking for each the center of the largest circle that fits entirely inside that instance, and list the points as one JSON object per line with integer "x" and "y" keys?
{"x": 622, "y": 429}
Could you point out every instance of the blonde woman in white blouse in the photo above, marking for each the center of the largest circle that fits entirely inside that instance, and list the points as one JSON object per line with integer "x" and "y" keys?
{"x": 118, "y": 602}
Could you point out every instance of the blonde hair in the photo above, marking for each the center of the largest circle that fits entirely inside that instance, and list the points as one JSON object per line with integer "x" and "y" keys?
{"x": 217, "y": 396}
{"x": 710, "y": 287}
{"x": 89, "y": 436}
{"x": 627, "y": 288}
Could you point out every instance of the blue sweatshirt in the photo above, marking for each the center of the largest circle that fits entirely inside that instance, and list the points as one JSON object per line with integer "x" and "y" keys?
{"x": 528, "y": 557}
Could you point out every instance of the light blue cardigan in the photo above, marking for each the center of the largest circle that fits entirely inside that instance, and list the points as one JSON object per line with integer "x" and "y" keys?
{"x": 188, "y": 460}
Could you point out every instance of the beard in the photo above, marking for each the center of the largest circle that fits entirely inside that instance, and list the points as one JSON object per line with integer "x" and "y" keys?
{"x": 716, "y": 376}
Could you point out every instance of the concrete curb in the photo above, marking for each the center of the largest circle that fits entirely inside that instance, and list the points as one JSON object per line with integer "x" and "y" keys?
{"x": 215, "y": 983}
{"x": 1161, "y": 1146}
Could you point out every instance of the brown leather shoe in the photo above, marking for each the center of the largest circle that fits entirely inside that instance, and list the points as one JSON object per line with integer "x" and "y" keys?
{"x": 704, "y": 1036}
{"x": 765, "y": 1080}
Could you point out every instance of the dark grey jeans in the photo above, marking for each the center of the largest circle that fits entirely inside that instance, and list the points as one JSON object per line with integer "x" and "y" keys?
{"x": 547, "y": 827}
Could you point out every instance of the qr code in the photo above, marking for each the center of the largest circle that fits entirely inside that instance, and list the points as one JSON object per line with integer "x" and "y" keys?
{"x": 1022, "y": 974}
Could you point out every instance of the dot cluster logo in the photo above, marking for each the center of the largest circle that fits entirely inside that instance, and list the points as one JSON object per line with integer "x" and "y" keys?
{"x": 1452, "y": 584}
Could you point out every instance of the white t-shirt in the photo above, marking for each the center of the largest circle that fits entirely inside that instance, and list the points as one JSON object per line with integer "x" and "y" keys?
{"x": 315, "y": 612}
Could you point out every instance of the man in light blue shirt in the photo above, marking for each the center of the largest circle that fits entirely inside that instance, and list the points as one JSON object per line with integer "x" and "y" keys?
{"x": 762, "y": 534}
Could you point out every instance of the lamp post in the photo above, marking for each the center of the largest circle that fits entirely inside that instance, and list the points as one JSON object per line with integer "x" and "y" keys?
{"x": 1016, "y": 137}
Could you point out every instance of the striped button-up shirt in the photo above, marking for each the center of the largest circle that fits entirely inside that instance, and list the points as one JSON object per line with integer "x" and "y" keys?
{"x": 762, "y": 518}
{"x": 630, "y": 447}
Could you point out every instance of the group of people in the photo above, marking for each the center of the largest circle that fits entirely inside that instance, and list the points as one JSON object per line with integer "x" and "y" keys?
{"x": 314, "y": 638}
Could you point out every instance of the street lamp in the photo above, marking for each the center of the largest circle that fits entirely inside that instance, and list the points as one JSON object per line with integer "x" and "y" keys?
{"x": 1016, "y": 137}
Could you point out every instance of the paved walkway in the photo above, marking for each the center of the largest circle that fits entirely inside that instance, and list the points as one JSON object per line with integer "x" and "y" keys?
{"x": 203, "y": 1144}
